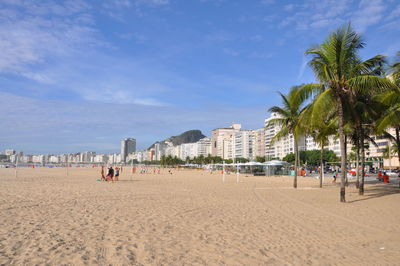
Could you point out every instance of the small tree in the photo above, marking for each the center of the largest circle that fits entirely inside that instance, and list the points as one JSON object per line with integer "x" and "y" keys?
{"x": 289, "y": 120}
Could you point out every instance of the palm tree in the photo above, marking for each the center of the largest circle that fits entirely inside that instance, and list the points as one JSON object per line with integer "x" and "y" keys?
{"x": 341, "y": 73}
{"x": 389, "y": 151}
{"x": 390, "y": 101}
{"x": 289, "y": 120}
{"x": 320, "y": 127}
{"x": 365, "y": 110}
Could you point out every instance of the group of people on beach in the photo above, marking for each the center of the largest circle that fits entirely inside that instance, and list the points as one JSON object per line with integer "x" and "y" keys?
{"x": 112, "y": 175}
{"x": 384, "y": 177}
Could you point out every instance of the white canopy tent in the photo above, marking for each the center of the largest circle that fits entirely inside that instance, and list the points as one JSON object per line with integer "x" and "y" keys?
{"x": 270, "y": 168}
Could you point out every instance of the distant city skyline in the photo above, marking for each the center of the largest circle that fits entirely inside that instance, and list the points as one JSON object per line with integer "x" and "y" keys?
{"x": 81, "y": 75}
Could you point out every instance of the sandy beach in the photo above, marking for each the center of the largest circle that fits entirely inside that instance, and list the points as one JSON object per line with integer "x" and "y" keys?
{"x": 192, "y": 218}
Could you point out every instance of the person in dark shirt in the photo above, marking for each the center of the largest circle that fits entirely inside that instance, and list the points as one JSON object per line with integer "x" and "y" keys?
{"x": 110, "y": 175}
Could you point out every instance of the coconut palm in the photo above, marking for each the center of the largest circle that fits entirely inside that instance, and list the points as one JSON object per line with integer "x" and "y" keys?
{"x": 390, "y": 101}
{"x": 389, "y": 151}
{"x": 320, "y": 127}
{"x": 321, "y": 136}
{"x": 288, "y": 117}
{"x": 339, "y": 69}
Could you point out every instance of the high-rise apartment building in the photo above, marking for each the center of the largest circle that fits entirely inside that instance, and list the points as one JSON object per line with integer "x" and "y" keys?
{"x": 222, "y": 140}
{"x": 258, "y": 143}
{"x": 159, "y": 150}
{"x": 127, "y": 146}
{"x": 243, "y": 144}
{"x": 9, "y": 152}
{"x": 204, "y": 147}
{"x": 280, "y": 148}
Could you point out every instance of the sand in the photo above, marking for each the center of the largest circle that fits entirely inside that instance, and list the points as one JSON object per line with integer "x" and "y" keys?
{"x": 192, "y": 218}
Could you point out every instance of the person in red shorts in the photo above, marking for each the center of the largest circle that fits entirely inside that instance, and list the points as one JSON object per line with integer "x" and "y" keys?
{"x": 380, "y": 176}
{"x": 110, "y": 175}
{"x": 386, "y": 178}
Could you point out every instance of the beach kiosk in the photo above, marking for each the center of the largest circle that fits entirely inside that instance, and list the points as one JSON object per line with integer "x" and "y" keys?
{"x": 276, "y": 167}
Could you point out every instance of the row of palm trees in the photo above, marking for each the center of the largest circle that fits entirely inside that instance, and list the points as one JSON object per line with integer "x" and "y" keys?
{"x": 351, "y": 99}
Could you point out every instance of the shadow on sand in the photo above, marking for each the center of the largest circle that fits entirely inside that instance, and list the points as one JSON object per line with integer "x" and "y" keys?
{"x": 133, "y": 180}
{"x": 378, "y": 189}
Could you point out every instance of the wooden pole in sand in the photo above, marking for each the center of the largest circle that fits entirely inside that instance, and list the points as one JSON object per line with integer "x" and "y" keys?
{"x": 131, "y": 170}
{"x": 237, "y": 172}
{"x": 16, "y": 165}
{"x": 223, "y": 171}
{"x": 66, "y": 165}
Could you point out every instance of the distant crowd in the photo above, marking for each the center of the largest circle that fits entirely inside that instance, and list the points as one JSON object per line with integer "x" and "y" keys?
{"x": 113, "y": 174}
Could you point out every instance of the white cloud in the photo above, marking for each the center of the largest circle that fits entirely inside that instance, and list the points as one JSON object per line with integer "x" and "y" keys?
{"x": 370, "y": 13}
{"x": 230, "y": 52}
{"x": 393, "y": 25}
{"x": 116, "y": 8}
{"x": 119, "y": 96}
{"x": 51, "y": 43}
{"x": 289, "y": 7}
{"x": 267, "y": 2}
{"x": 260, "y": 55}
{"x": 138, "y": 38}
{"x": 215, "y": 2}
{"x": 257, "y": 37}
{"x": 302, "y": 68}
{"x": 321, "y": 14}
{"x": 29, "y": 124}
{"x": 220, "y": 36}
{"x": 394, "y": 14}
{"x": 149, "y": 102}
{"x": 134, "y": 3}
{"x": 32, "y": 33}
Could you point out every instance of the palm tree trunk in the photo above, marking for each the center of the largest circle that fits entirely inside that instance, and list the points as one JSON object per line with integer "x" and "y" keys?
{"x": 345, "y": 149}
{"x": 357, "y": 166}
{"x": 342, "y": 141}
{"x": 322, "y": 165}
{"x": 296, "y": 159}
{"x": 361, "y": 187}
{"x": 398, "y": 145}
{"x": 398, "y": 142}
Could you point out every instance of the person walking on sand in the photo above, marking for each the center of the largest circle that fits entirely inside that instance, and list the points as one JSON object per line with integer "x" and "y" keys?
{"x": 385, "y": 178}
{"x": 110, "y": 174}
{"x": 334, "y": 176}
{"x": 116, "y": 174}
{"x": 103, "y": 178}
{"x": 380, "y": 176}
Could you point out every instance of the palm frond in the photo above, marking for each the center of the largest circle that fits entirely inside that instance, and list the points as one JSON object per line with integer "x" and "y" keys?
{"x": 322, "y": 103}
{"x": 372, "y": 66}
{"x": 391, "y": 119}
{"x": 368, "y": 84}
{"x": 280, "y": 111}
{"x": 276, "y": 122}
{"x": 280, "y": 134}
{"x": 311, "y": 90}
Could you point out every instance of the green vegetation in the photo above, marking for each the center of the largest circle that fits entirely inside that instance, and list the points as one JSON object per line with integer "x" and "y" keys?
{"x": 312, "y": 158}
{"x": 289, "y": 120}
{"x": 170, "y": 161}
{"x": 351, "y": 100}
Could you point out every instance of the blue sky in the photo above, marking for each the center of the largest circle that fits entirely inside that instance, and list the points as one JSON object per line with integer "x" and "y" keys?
{"x": 80, "y": 75}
